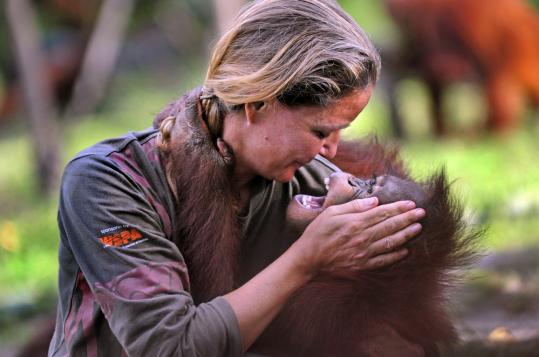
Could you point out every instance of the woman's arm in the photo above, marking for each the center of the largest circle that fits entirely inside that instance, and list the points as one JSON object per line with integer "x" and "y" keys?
{"x": 342, "y": 239}
{"x": 124, "y": 285}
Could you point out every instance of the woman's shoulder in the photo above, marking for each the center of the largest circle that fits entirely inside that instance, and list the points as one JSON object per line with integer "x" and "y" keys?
{"x": 116, "y": 144}
{"x": 133, "y": 154}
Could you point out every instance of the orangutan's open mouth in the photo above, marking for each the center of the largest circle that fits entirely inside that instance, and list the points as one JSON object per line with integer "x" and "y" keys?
{"x": 310, "y": 202}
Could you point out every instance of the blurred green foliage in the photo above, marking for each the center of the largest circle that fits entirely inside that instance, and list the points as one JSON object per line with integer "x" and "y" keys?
{"x": 370, "y": 14}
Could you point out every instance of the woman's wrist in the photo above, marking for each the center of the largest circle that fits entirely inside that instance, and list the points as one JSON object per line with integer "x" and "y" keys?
{"x": 302, "y": 262}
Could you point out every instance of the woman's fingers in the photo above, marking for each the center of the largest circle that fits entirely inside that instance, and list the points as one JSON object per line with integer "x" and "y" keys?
{"x": 387, "y": 211}
{"x": 371, "y": 217}
{"x": 361, "y": 233}
{"x": 394, "y": 224}
{"x": 354, "y": 206}
{"x": 383, "y": 260}
{"x": 381, "y": 221}
{"x": 389, "y": 243}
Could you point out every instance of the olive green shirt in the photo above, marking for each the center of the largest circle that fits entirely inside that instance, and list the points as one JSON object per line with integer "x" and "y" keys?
{"x": 123, "y": 283}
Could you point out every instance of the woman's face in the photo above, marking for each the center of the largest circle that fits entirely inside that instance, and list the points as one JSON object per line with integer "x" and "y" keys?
{"x": 277, "y": 139}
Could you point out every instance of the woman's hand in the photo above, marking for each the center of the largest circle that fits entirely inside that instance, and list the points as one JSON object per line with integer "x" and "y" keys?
{"x": 358, "y": 235}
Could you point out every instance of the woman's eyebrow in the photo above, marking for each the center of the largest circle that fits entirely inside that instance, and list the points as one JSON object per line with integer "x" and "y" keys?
{"x": 331, "y": 127}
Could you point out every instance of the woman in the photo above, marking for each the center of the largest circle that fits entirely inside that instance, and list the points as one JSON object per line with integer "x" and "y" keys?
{"x": 173, "y": 240}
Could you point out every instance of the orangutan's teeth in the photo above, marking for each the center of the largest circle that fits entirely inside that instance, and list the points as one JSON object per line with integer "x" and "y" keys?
{"x": 326, "y": 181}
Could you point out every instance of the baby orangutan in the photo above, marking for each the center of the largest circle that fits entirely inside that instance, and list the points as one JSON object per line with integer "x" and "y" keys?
{"x": 393, "y": 311}
{"x": 343, "y": 187}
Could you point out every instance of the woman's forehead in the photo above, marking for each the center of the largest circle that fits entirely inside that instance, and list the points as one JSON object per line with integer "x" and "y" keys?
{"x": 347, "y": 108}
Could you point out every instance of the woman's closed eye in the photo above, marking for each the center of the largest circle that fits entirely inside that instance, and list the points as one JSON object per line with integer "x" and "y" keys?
{"x": 321, "y": 134}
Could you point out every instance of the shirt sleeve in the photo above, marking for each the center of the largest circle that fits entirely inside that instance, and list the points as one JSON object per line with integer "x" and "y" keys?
{"x": 137, "y": 276}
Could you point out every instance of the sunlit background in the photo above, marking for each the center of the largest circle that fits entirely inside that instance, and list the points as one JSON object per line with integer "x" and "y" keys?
{"x": 163, "y": 47}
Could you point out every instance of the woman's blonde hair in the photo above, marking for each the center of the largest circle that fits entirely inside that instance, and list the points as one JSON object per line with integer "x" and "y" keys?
{"x": 301, "y": 52}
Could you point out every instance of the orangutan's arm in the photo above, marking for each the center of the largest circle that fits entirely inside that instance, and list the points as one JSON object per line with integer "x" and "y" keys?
{"x": 259, "y": 300}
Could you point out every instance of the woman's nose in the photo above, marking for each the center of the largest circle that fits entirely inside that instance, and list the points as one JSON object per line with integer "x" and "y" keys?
{"x": 329, "y": 147}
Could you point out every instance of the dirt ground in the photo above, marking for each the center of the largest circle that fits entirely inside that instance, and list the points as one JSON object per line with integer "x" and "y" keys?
{"x": 497, "y": 310}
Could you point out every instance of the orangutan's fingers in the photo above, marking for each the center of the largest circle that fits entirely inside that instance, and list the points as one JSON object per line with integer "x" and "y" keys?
{"x": 225, "y": 150}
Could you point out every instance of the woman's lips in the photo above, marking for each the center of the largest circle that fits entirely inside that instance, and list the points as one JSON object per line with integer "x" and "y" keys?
{"x": 297, "y": 164}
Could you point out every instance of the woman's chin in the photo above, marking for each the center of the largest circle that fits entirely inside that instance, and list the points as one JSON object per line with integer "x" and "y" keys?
{"x": 286, "y": 175}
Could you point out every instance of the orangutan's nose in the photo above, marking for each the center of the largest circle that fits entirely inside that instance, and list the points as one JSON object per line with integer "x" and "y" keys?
{"x": 364, "y": 185}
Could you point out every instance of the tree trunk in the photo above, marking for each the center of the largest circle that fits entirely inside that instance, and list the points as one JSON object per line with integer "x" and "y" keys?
{"x": 100, "y": 56}
{"x": 39, "y": 102}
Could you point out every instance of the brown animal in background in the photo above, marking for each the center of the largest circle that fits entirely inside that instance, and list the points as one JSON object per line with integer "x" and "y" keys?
{"x": 495, "y": 43}
{"x": 394, "y": 311}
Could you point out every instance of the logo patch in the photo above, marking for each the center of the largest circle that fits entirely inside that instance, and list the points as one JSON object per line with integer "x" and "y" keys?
{"x": 121, "y": 236}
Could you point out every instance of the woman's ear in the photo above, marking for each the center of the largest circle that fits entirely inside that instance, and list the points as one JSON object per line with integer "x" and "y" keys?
{"x": 253, "y": 110}
{"x": 259, "y": 105}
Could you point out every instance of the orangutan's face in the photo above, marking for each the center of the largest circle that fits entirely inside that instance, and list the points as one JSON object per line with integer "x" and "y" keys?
{"x": 343, "y": 187}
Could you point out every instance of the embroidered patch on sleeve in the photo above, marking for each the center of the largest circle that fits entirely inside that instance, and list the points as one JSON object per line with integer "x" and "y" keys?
{"x": 121, "y": 236}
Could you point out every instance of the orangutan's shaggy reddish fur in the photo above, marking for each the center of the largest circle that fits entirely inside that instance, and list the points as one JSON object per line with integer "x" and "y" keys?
{"x": 395, "y": 311}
